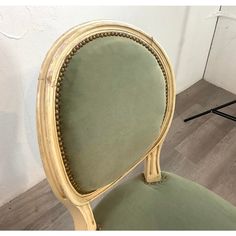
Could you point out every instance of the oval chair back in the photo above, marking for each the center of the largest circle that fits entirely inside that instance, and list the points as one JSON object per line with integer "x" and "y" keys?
{"x": 105, "y": 102}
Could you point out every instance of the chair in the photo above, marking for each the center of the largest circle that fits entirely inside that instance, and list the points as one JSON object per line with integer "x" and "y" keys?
{"x": 105, "y": 102}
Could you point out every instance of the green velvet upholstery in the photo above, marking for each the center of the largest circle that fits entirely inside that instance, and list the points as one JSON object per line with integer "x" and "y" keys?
{"x": 174, "y": 204}
{"x": 112, "y": 105}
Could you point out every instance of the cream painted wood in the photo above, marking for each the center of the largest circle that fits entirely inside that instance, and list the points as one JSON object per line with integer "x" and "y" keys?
{"x": 46, "y": 122}
{"x": 152, "y": 170}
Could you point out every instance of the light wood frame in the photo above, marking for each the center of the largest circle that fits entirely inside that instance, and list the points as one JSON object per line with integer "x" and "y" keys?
{"x": 79, "y": 204}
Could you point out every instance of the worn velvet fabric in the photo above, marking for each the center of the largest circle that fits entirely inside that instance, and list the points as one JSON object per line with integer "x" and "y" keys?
{"x": 112, "y": 105}
{"x": 174, "y": 204}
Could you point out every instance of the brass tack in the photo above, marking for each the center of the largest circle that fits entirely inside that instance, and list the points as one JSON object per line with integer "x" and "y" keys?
{"x": 62, "y": 69}
{"x": 74, "y": 50}
{"x": 71, "y": 178}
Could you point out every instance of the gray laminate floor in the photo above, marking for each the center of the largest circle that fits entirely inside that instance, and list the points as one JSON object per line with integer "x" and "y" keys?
{"x": 203, "y": 150}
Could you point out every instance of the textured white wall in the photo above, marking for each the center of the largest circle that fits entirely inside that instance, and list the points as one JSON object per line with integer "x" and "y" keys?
{"x": 221, "y": 68}
{"x": 26, "y": 34}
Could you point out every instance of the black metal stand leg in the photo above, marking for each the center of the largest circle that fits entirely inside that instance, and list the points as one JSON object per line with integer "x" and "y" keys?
{"x": 215, "y": 111}
{"x": 219, "y": 113}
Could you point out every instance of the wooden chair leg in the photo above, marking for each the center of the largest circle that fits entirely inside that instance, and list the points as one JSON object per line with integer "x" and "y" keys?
{"x": 83, "y": 217}
{"x": 152, "y": 171}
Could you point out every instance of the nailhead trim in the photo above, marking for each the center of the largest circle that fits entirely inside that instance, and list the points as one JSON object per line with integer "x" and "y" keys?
{"x": 61, "y": 77}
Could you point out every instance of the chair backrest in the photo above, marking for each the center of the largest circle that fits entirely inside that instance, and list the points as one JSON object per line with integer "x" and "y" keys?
{"x": 105, "y": 100}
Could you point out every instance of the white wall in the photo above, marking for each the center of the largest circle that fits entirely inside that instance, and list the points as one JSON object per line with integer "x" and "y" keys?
{"x": 221, "y": 67}
{"x": 26, "y": 34}
{"x": 197, "y": 38}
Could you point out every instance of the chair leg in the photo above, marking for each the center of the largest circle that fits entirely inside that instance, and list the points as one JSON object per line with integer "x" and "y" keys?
{"x": 82, "y": 216}
{"x": 152, "y": 171}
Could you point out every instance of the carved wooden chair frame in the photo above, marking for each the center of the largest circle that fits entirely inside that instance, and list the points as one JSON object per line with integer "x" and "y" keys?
{"x": 51, "y": 76}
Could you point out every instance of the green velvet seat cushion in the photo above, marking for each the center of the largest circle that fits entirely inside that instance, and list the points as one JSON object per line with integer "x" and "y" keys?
{"x": 174, "y": 204}
{"x": 112, "y": 104}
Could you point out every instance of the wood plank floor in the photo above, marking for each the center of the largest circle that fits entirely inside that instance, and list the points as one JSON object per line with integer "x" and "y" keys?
{"x": 202, "y": 150}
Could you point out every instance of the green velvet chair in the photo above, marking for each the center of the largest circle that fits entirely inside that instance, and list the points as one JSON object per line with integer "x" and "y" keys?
{"x": 105, "y": 102}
